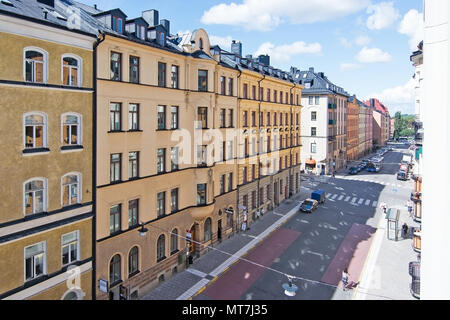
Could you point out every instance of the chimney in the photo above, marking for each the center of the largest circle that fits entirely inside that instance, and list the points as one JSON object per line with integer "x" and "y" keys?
{"x": 321, "y": 74}
{"x": 236, "y": 48}
{"x": 249, "y": 57}
{"x": 166, "y": 24}
{"x": 293, "y": 70}
{"x": 151, "y": 17}
{"x": 264, "y": 59}
{"x": 311, "y": 69}
{"x": 50, "y": 3}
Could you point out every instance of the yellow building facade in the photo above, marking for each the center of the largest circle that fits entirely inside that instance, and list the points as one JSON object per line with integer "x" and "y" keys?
{"x": 46, "y": 219}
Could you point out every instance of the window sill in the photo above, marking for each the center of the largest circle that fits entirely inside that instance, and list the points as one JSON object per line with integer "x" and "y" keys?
{"x": 72, "y": 148}
{"x": 36, "y": 151}
{"x": 116, "y": 182}
{"x": 160, "y": 259}
{"x": 162, "y": 129}
{"x": 134, "y": 178}
{"x": 174, "y": 252}
{"x": 116, "y": 131}
{"x": 133, "y": 274}
{"x": 137, "y": 130}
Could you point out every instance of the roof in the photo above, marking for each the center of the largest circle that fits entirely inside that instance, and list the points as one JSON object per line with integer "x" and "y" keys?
{"x": 317, "y": 82}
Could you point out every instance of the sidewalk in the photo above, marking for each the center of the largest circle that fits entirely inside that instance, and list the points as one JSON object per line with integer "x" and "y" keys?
{"x": 207, "y": 268}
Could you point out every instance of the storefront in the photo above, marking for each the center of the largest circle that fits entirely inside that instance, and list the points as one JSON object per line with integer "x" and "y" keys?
{"x": 310, "y": 165}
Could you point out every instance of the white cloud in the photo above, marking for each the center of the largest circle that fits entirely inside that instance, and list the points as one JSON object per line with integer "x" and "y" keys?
{"x": 223, "y": 42}
{"x": 349, "y": 66}
{"x": 373, "y": 55}
{"x": 382, "y": 16}
{"x": 265, "y": 15}
{"x": 362, "y": 40}
{"x": 412, "y": 26}
{"x": 283, "y": 53}
{"x": 346, "y": 43}
{"x": 400, "y": 98}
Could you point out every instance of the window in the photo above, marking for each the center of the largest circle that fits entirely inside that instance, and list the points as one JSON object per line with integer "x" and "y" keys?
{"x": 161, "y": 74}
{"x": 161, "y": 248}
{"x": 253, "y": 172}
{"x": 134, "y": 69}
{"x": 268, "y": 95}
{"x": 35, "y": 69}
{"x": 201, "y": 194}
{"x": 201, "y": 156}
{"x": 174, "y": 117}
{"x": 311, "y": 99}
{"x": 222, "y": 118}
{"x": 115, "y": 217}
{"x": 133, "y": 117}
{"x": 133, "y": 261}
{"x": 275, "y": 118}
{"x": 71, "y": 125}
{"x": 222, "y": 184}
{"x": 117, "y": 24}
{"x": 161, "y": 204}
{"x": 297, "y": 119}
{"x": 245, "y": 91}
{"x": 230, "y": 116}
{"x": 71, "y": 70}
{"x": 174, "y": 77}
{"x": 116, "y": 66}
{"x": 71, "y": 190}
{"x": 253, "y": 118}
{"x": 35, "y": 196}
{"x": 281, "y": 119}
{"x": 133, "y": 165}
{"x": 174, "y": 158}
{"x": 281, "y": 97}
{"x": 313, "y": 131}
{"x": 287, "y": 119}
{"x": 202, "y": 117}
{"x": 275, "y": 95}
{"x": 268, "y": 118}
{"x": 222, "y": 85}
{"x": 116, "y": 167}
{"x": 174, "y": 200}
{"x": 35, "y": 260}
{"x": 115, "y": 117}
{"x": 161, "y": 117}
{"x": 254, "y": 92}
{"x": 230, "y": 150}
{"x": 244, "y": 174}
{"x": 230, "y": 181}
{"x": 200, "y": 43}
{"x": 244, "y": 119}
{"x": 313, "y": 116}
{"x": 133, "y": 213}
{"x": 230, "y": 86}
{"x": 35, "y": 126}
{"x": 174, "y": 241}
{"x": 253, "y": 199}
{"x": 203, "y": 80}
{"x": 317, "y": 100}
{"x": 70, "y": 248}
{"x": 115, "y": 274}
{"x": 207, "y": 230}
{"x": 161, "y": 161}
{"x": 269, "y": 197}
{"x": 313, "y": 147}
{"x": 229, "y": 220}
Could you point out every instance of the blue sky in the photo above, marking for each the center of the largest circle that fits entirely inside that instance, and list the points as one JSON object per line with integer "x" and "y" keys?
{"x": 362, "y": 45}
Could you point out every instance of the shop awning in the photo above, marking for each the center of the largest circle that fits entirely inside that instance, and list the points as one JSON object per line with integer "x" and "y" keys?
{"x": 311, "y": 162}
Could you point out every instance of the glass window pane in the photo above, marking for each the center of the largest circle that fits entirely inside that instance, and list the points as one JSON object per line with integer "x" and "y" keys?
{"x": 39, "y": 72}
{"x": 65, "y": 255}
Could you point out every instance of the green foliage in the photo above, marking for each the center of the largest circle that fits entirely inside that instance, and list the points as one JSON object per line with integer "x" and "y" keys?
{"x": 403, "y": 125}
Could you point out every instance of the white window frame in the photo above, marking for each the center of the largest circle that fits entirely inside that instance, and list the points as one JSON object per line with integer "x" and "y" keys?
{"x": 45, "y": 67}
{"x": 44, "y": 271}
{"x": 79, "y": 197}
{"x": 45, "y": 195}
{"x": 79, "y": 129}
{"x": 78, "y": 248}
{"x": 45, "y": 119}
{"x": 80, "y": 68}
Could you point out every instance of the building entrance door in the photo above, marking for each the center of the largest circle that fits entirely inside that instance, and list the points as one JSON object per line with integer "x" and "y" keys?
{"x": 276, "y": 194}
{"x": 219, "y": 230}
{"x": 192, "y": 243}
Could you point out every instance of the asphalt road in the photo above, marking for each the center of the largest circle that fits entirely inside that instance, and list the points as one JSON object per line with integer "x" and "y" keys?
{"x": 316, "y": 247}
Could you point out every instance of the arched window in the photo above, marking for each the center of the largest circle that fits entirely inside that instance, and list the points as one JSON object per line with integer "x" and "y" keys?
{"x": 35, "y": 196}
{"x": 133, "y": 261}
{"x": 71, "y": 70}
{"x": 35, "y": 65}
{"x": 35, "y": 130}
{"x": 115, "y": 274}
{"x": 174, "y": 241}
{"x": 71, "y": 129}
{"x": 71, "y": 189}
{"x": 161, "y": 248}
{"x": 71, "y": 295}
{"x": 208, "y": 229}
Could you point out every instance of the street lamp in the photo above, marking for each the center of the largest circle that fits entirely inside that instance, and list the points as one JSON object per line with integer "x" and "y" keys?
{"x": 143, "y": 231}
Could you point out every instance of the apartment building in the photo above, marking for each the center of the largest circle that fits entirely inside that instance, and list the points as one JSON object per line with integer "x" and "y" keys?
{"x": 46, "y": 210}
{"x": 353, "y": 128}
{"x": 381, "y": 122}
{"x": 324, "y": 123}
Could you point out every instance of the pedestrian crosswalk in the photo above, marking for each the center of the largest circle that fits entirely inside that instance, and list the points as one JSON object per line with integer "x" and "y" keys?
{"x": 392, "y": 184}
{"x": 355, "y": 201}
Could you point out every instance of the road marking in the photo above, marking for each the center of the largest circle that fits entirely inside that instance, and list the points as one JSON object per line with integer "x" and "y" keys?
{"x": 196, "y": 272}
{"x": 334, "y": 197}
{"x": 341, "y": 197}
{"x": 354, "y": 199}
{"x": 278, "y": 214}
{"x": 374, "y": 204}
{"x": 346, "y": 199}
{"x": 328, "y": 195}
{"x": 367, "y": 202}
{"x": 315, "y": 253}
{"x": 360, "y": 201}
{"x": 304, "y": 221}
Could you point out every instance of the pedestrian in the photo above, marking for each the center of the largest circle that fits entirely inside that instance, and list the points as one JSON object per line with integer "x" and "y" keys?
{"x": 345, "y": 276}
{"x": 410, "y": 208}
{"x": 405, "y": 230}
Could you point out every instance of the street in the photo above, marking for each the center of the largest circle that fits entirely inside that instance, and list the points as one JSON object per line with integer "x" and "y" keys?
{"x": 315, "y": 248}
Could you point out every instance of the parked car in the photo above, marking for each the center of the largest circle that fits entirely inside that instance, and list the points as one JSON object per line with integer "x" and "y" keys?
{"x": 354, "y": 170}
{"x": 319, "y": 196}
{"x": 309, "y": 205}
{"x": 402, "y": 175}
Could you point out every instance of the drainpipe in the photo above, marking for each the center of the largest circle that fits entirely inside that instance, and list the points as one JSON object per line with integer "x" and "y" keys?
{"x": 259, "y": 132}
{"x": 237, "y": 164}
{"x": 94, "y": 165}
{"x": 290, "y": 149}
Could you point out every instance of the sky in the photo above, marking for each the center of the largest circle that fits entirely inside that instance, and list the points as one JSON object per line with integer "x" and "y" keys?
{"x": 363, "y": 46}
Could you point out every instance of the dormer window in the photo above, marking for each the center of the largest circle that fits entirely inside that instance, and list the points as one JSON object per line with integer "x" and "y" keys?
{"x": 200, "y": 43}
{"x": 117, "y": 24}
{"x": 162, "y": 39}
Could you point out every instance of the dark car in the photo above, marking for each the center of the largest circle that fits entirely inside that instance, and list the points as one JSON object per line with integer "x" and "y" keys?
{"x": 402, "y": 175}
{"x": 309, "y": 205}
{"x": 353, "y": 170}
